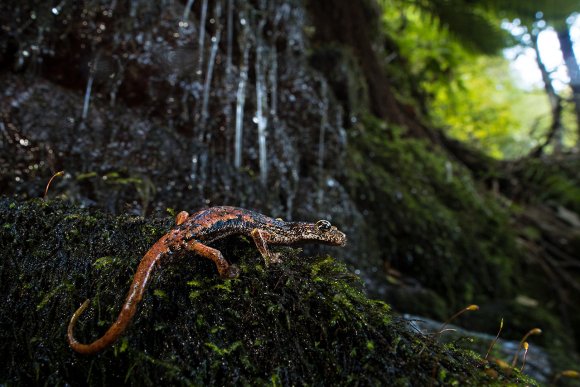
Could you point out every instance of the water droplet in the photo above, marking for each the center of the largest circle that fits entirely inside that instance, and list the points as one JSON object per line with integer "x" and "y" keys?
{"x": 55, "y": 11}
{"x": 255, "y": 119}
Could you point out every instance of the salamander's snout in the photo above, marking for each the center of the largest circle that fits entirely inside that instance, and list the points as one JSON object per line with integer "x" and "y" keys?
{"x": 341, "y": 239}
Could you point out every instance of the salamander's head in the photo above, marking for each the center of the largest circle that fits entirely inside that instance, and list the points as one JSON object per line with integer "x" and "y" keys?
{"x": 322, "y": 232}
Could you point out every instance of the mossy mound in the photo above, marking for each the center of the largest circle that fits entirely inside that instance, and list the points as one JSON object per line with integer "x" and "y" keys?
{"x": 434, "y": 223}
{"x": 555, "y": 180}
{"x": 305, "y": 321}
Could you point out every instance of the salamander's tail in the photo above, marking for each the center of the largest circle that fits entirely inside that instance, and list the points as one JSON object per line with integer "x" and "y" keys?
{"x": 71, "y": 326}
{"x": 108, "y": 339}
{"x": 98, "y": 345}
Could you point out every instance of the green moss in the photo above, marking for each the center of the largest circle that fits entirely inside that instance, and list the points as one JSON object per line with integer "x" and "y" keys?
{"x": 160, "y": 293}
{"x": 432, "y": 221}
{"x": 103, "y": 261}
{"x": 87, "y": 175}
{"x": 305, "y": 321}
{"x": 50, "y": 294}
{"x": 554, "y": 180}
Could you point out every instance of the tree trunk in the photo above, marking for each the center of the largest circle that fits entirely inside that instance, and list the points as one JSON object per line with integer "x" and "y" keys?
{"x": 556, "y": 128}
{"x": 340, "y": 22}
{"x": 573, "y": 71}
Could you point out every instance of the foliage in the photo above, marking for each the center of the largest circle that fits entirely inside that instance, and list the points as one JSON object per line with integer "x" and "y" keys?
{"x": 471, "y": 95}
{"x": 431, "y": 52}
{"x": 476, "y": 24}
{"x": 484, "y": 107}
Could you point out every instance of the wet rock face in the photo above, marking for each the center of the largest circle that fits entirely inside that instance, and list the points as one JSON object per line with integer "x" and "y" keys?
{"x": 181, "y": 104}
{"x": 177, "y": 93}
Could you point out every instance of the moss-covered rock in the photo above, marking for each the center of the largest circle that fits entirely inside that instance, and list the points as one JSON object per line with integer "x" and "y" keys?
{"x": 453, "y": 242}
{"x": 555, "y": 180}
{"x": 305, "y": 321}
{"x": 433, "y": 221}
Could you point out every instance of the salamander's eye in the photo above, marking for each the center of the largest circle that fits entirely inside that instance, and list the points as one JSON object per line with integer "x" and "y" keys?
{"x": 323, "y": 225}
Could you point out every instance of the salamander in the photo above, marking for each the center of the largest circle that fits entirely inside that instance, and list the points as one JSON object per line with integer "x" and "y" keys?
{"x": 194, "y": 233}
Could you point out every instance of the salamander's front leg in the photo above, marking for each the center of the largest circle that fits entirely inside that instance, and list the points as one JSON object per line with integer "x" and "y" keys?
{"x": 226, "y": 270}
{"x": 261, "y": 240}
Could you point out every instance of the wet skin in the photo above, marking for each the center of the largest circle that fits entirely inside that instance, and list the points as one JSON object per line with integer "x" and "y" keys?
{"x": 194, "y": 233}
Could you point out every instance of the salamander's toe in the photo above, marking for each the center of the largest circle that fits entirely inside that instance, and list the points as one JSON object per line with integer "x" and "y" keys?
{"x": 232, "y": 272}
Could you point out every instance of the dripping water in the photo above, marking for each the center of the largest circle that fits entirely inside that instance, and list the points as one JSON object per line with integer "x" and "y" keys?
{"x": 230, "y": 38}
{"x": 261, "y": 119}
{"x": 229, "y": 81}
{"x": 321, "y": 135}
{"x": 133, "y": 9}
{"x": 88, "y": 89}
{"x": 273, "y": 84}
{"x": 201, "y": 42}
{"x": 187, "y": 10}
{"x": 117, "y": 78}
{"x": 241, "y": 99}
{"x": 261, "y": 105}
{"x": 210, "y": 66}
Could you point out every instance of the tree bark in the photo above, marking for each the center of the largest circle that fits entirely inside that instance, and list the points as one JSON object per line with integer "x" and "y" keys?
{"x": 340, "y": 21}
{"x": 573, "y": 72}
{"x": 556, "y": 128}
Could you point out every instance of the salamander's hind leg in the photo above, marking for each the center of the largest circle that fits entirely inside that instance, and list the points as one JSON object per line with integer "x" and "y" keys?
{"x": 261, "y": 240}
{"x": 226, "y": 270}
